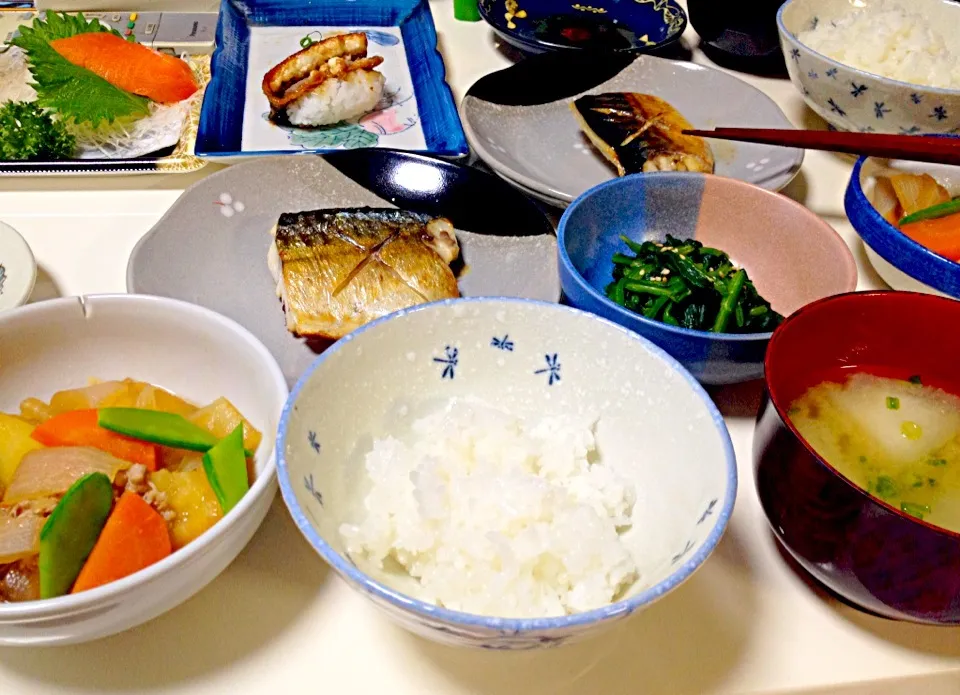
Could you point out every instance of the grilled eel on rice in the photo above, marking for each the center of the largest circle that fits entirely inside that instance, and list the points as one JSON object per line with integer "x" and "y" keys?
{"x": 339, "y": 269}
{"x": 641, "y": 132}
{"x": 327, "y": 82}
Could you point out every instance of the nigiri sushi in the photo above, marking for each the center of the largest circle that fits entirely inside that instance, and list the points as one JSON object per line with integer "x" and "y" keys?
{"x": 134, "y": 68}
{"x": 641, "y": 132}
{"x": 327, "y": 82}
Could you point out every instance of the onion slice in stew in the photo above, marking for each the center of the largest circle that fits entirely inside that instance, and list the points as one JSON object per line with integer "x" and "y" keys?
{"x": 51, "y": 472}
{"x": 19, "y": 537}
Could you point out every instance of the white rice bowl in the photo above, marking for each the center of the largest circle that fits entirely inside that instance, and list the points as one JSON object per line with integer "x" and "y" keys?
{"x": 888, "y": 39}
{"x": 498, "y": 515}
{"x": 505, "y": 473}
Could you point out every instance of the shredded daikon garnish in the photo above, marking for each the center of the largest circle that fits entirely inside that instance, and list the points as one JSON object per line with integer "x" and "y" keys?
{"x": 15, "y": 77}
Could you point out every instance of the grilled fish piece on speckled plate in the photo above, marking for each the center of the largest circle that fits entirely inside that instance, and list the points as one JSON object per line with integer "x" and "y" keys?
{"x": 337, "y": 270}
{"x": 641, "y": 132}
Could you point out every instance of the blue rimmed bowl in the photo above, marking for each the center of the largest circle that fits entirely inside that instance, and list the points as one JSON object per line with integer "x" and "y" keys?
{"x": 540, "y": 26}
{"x": 792, "y": 256}
{"x": 657, "y": 428}
{"x": 899, "y": 260}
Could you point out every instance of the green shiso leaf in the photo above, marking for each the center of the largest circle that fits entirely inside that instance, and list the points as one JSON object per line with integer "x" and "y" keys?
{"x": 75, "y": 93}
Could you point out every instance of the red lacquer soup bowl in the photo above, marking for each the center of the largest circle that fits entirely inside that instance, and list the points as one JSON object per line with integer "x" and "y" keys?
{"x": 868, "y": 552}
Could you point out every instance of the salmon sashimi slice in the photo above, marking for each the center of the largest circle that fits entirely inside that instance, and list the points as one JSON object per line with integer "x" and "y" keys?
{"x": 130, "y": 66}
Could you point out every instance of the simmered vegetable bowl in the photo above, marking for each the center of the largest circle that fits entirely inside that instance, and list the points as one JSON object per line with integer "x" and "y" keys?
{"x": 106, "y": 480}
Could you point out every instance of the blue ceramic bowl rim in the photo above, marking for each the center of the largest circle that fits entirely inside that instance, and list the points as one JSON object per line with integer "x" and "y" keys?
{"x": 881, "y": 236}
{"x": 513, "y": 626}
{"x": 784, "y": 32}
{"x": 622, "y": 312}
{"x": 537, "y": 44}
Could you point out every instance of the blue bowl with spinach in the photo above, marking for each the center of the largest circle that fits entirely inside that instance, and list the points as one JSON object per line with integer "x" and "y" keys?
{"x": 703, "y": 266}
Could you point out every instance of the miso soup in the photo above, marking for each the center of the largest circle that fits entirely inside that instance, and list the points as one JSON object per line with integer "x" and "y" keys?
{"x": 897, "y": 439}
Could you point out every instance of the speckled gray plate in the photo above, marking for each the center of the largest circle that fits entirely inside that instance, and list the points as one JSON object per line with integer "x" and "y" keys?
{"x": 518, "y": 120}
{"x": 211, "y": 246}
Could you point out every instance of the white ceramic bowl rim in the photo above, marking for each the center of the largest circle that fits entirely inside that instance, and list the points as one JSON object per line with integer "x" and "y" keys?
{"x": 76, "y": 602}
{"x": 863, "y": 73}
{"x": 632, "y": 316}
{"x": 514, "y": 625}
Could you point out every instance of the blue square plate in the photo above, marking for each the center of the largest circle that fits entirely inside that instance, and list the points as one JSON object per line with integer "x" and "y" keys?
{"x": 417, "y": 113}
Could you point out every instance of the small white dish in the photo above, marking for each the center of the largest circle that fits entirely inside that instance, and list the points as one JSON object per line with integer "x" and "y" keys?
{"x": 18, "y": 269}
{"x": 192, "y": 351}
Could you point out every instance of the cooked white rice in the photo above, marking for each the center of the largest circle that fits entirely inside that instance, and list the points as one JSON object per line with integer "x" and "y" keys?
{"x": 888, "y": 40}
{"x": 496, "y": 515}
{"x": 335, "y": 100}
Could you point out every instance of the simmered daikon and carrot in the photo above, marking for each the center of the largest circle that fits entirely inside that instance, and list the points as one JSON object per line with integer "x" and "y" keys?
{"x": 106, "y": 480}
{"x": 923, "y": 210}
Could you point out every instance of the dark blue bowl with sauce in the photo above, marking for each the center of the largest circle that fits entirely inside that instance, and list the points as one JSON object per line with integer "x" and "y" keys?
{"x": 539, "y": 26}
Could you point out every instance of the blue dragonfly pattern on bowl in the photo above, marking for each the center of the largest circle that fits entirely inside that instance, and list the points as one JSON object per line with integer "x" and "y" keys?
{"x": 3, "y": 277}
{"x": 552, "y": 369}
{"x": 450, "y": 360}
{"x": 852, "y": 100}
{"x": 708, "y": 511}
{"x": 308, "y": 484}
{"x": 503, "y": 343}
{"x": 679, "y": 556}
{"x": 314, "y": 444}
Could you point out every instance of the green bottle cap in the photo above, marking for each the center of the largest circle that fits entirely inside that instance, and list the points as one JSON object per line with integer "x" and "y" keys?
{"x": 466, "y": 10}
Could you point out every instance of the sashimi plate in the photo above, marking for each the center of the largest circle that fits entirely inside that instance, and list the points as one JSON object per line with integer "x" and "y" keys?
{"x": 518, "y": 120}
{"x": 416, "y": 112}
{"x": 172, "y": 153}
{"x": 211, "y": 247}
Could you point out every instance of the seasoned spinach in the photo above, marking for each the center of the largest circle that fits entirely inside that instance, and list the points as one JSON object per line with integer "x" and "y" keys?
{"x": 686, "y": 284}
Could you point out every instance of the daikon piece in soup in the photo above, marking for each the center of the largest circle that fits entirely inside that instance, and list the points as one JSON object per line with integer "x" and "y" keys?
{"x": 898, "y": 440}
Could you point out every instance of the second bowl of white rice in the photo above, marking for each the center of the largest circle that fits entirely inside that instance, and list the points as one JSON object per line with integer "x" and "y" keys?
{"x": 885, "y": 66}
{"x": 505, "y": 474}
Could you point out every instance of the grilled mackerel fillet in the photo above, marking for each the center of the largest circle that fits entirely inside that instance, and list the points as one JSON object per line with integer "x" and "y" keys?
{"x": 339, "y": 269}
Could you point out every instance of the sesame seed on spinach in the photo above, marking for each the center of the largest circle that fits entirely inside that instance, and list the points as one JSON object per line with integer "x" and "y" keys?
{"x": 684, "y": 283}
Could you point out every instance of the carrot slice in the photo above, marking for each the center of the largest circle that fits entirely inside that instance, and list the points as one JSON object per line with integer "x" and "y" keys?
{"x": 941, "y": 235}
{"x": 81, "y": 428}
{"x": 134, "y": 537}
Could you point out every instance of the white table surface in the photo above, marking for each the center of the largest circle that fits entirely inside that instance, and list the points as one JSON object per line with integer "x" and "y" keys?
{"x": 278, "y": 621}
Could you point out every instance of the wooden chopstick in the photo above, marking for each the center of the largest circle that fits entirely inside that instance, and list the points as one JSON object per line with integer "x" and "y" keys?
{"x": 921, "y": 148}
